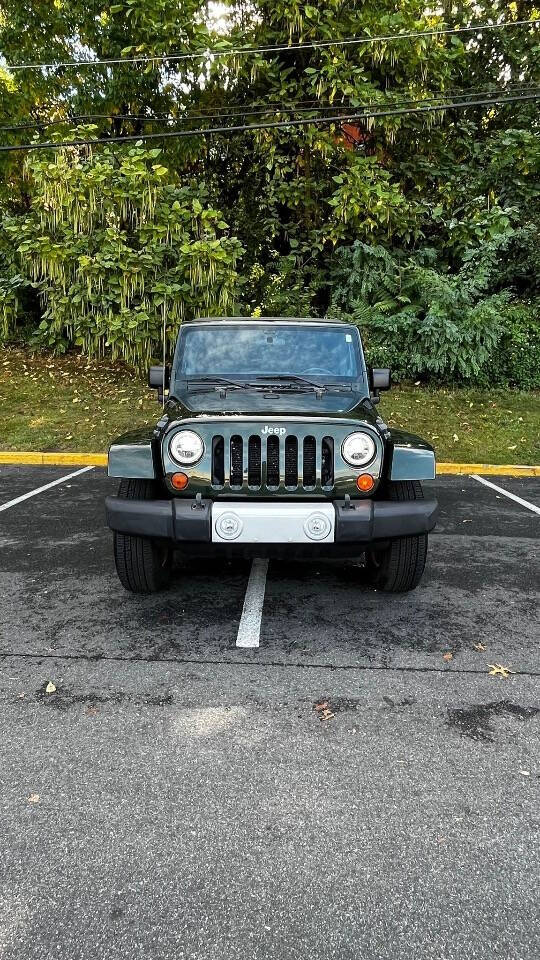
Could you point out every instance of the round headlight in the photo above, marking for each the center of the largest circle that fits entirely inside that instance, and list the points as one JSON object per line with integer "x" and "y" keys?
{"x": 358, "y": 449}
{"x": 186, "y": 447}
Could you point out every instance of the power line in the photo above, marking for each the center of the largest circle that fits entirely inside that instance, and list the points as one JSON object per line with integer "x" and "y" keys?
{"x": 258, "y": 109}
{"x": 274, "y": 48}
{"x": 222, "y": 113}
{"x": 278, "y": 124}
{"x": 241, "y": 109}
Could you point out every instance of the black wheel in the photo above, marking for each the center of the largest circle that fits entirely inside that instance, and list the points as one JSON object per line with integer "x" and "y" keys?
{"x": 143, "y": 564}
{"x": 399, "y": 566}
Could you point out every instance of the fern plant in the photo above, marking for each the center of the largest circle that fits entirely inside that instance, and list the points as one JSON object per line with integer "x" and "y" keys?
{"x": 416, "y": 318}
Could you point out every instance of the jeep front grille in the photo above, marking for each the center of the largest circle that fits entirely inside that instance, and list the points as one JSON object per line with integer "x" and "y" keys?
{"x": 291, "y": 462}
{"x": 237, "y": 461}
{"x": 271, "y": 462}
{"x": 254, "y": 461}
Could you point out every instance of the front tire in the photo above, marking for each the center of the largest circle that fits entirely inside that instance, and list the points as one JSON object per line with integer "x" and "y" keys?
{"x": 143, "y": 564}
{"x": 399, "y": 566}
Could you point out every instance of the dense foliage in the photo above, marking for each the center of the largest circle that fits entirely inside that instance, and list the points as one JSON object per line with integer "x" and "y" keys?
{"x": 421, "y": 227}
{"x": 118, "y": 253}
{"x": 421, "y": 321}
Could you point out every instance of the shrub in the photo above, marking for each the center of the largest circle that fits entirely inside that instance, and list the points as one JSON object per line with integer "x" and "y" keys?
{"x": 118, "y": 251}
{"x": 516, "y": 361}
{"x": 416, "y": 319}
{"x": 12, "y": 283}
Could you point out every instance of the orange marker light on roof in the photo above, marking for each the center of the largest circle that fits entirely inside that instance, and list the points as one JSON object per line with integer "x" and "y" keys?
{"x": 365, "y": 482}
{"x": 179, "y": 481}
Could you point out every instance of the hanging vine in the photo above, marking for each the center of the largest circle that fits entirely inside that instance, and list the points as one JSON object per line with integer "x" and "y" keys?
{"x": 117, "y": 251}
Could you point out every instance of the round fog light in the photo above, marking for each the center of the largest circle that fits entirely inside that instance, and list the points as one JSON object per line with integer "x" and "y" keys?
{"x": 229, "y": 526}
{"x": 365, "y": 482}
{"x": 317, "y": 526}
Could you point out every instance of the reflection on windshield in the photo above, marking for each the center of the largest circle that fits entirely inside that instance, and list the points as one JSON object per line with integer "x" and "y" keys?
{"x": 267, "y": 350}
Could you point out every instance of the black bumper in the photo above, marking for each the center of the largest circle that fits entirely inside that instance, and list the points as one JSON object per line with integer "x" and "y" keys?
{"x": 358, "y": 521}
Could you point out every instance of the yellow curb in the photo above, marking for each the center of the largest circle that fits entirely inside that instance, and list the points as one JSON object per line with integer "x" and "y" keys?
{"x": 55, "y": 459}
{"x": 100, "y": 460}
{"x": 487, "y": 469}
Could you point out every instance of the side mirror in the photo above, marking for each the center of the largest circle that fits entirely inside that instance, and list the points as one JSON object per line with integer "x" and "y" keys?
{"x": 380, "y": 380}
{"x": 158, "y": 378}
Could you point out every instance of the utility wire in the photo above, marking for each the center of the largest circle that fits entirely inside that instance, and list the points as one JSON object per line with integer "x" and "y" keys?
{"x": 258, "y": 110}
{"x": 275, "y": 48}
{"x": 278, "y": 124}
{"x": 211, "y": 112}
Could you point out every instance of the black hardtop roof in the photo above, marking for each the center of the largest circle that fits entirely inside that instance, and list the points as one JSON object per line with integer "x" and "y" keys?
{"x": 263, "y": 320}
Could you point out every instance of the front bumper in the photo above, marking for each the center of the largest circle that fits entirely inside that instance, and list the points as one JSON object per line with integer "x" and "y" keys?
{"x": 199, "y": 522}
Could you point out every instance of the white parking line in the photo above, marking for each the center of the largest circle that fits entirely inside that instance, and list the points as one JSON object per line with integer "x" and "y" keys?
{"x": 511, "y": 496}
{"x": 249, "y": 630}
{"x": 47, "y": 486}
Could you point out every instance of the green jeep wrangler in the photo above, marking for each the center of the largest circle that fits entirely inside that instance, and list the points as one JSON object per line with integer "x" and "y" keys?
{"x": 270, "y": 444}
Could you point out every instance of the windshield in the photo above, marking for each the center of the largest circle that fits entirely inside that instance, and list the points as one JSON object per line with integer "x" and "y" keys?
{"x": 246, "y": 351}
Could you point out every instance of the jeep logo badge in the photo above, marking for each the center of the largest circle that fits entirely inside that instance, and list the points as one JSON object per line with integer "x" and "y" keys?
{"x": 279, "y": 430}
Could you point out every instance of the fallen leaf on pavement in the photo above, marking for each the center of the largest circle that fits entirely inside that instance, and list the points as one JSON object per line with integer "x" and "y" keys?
{"x": 447, "y": 656}
{"x": 479, "y": 646}
{"x": 326, "y": 715}
{"x": 321, "y": 706}
{"x": 497, "y": 670}
{"x": 50, "y": 688}
{"x": 33, "y": 798}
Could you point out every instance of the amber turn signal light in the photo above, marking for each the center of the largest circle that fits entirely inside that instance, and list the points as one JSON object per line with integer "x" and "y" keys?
{"x": 179, "y": 481}
{"x": 364, "y": 482}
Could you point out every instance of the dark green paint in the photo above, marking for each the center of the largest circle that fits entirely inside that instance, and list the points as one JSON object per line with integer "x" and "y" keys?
{"x": 131, "y": 455}
{"x": 411, "y": 457}
{"x": 245, "y": 426}
{"x": 144, "y": 453}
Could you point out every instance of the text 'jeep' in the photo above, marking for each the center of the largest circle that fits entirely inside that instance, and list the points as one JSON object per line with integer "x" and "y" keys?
{"x": 270, "y": 444}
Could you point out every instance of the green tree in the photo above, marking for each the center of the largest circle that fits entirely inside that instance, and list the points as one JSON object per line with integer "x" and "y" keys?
{"x": 298, "y": 194}
{"x": 458, "y": 182}
{"x": 118, "y": 251}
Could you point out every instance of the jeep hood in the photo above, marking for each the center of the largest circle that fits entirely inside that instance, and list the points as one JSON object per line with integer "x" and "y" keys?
{"x": 258, "y": 403}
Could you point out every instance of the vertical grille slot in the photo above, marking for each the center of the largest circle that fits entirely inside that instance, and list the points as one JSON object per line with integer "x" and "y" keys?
{"x": 310, "y": 473}
{"x": 237, "y": 461}
{"x": 254, "y": 461}
{"x": 291, "y": 462}
{"x": 218, "y": 461}
{"x": 327, "y": 464}
{"x": 272, "y": 462}
{"x": 276, "y": 463}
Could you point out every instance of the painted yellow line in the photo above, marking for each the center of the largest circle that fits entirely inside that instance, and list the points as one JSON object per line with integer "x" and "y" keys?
{"x": 55, "y": 459}
{"x": 489, "y": 469}
{"x": 100, "y": 460}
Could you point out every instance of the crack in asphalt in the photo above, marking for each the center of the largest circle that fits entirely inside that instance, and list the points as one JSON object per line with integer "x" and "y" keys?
{"x": 227, "y": 661}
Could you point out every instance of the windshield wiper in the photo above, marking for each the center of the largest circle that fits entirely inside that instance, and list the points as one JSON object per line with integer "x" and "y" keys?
{"x": 223, "y": 384}
{"x": 294, "y": 382}
{"x": 215, "y": 383}
{"x": 290, "y": 378}
{"x": 280, "y": 383}
{"x": 261, "y": 383}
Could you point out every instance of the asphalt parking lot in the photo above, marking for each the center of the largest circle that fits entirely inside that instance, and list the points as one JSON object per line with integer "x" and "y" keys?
{"x": 191, "y": 803}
